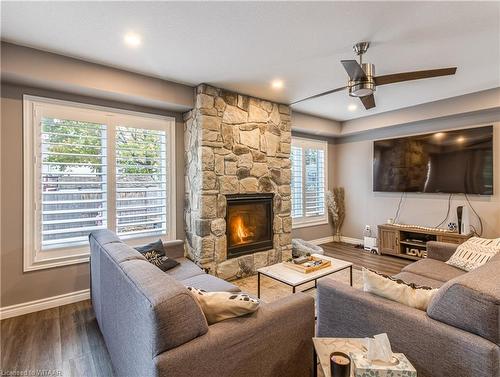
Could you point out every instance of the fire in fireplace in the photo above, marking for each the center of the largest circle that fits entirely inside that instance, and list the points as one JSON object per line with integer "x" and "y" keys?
{"x": 249, "y": 223}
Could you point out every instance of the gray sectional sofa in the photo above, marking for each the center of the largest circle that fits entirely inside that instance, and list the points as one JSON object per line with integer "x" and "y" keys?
{"x": 152, "y": 325}
{"x": 458, "y": 336}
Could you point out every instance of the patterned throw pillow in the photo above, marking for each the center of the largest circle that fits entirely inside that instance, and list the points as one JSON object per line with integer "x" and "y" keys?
{"x": 218, "y": 306}
{"x": 155, "y": 254}
{"x": 409, "y": 294}
{"x": 474, "y": 252}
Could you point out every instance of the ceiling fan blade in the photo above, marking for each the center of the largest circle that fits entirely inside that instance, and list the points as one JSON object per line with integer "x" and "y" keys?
{"x": 368, "y": 101}
{"x": 319, "y": 95}
{"x": 354, "y": 70}
{"x": 416, "y": 75}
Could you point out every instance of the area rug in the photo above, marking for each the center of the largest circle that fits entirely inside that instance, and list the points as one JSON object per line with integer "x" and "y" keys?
{"x": 272, "y": 290}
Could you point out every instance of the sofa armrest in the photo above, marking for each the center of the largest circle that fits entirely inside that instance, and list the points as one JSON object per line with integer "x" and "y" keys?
{"x": 441, "y": 251}
{"x": 434, "y": 348}
{"x": 276, "y": 340}
{"x": 174, "y": 249}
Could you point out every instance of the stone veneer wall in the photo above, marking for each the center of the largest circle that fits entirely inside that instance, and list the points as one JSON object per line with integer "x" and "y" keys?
{"x": 234, "y": 144}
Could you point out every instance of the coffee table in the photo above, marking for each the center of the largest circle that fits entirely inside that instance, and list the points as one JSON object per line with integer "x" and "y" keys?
{"x": 295, "y": 278}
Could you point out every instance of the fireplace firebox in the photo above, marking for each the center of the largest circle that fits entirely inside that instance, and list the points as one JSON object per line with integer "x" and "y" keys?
{"x": 249, "y": 223}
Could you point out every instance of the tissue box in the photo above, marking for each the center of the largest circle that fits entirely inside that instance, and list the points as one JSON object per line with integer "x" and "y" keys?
{"x": 365, "y": 368}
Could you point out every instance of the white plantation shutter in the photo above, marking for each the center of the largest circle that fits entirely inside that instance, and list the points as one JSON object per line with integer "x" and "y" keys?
{"x": 309, "y": 167}
{"x": 297, "y": 183}
{"x": 314, "y": 167}
{"x": 88, "y": 168}
{"x": 73, "y": 181}
{"x": 141, "y": 181}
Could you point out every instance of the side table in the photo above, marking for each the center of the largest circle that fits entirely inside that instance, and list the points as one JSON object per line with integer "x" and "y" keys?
{"x": 323, "y": 348}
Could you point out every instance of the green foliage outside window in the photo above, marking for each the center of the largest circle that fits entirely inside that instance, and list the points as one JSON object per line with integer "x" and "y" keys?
{"x": 79, "y": 144}
{"x": 138, "y": 150}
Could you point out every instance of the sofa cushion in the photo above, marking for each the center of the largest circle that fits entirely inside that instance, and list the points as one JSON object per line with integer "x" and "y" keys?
{"x": 394, "y": 289}
{"x": 174, "y": 249}
{"x": 434, "y": 269}
{"x": 165, "y": 311}
{"x": 104, "y": 236}
{"x": 479, "y": 292}
{"x": 155, "y": 254}
{"x": 419, "y": 279}
{"x": 474, "y": 252}
{"x": 121, "y": 252}
{"x": 218, "y": 306}
{"x": 210, "y": 283}
{"x": 185, "y": 270}
{"x": 152, "y": 246}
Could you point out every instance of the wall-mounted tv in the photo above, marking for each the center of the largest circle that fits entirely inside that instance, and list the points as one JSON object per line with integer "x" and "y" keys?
{"x": 458, "y": 161}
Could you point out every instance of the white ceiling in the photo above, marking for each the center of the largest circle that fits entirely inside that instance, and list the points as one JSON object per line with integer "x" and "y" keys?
{"x": 242, "y": 46}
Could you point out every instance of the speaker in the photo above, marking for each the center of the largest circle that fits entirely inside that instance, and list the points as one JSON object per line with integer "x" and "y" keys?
{"x": 460, "y": 210}
{"x": 466, "y": 229}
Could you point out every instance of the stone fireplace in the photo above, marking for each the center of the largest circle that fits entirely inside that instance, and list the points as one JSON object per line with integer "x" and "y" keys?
{"x": 249, "y": 223}
{"x": 237, "y": 150}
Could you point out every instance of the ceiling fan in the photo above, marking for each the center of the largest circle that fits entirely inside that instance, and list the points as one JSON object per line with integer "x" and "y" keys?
{"x": 363, "y": 82}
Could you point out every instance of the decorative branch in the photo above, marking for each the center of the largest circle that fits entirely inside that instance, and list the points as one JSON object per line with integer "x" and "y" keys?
{"x": 335, "y": 202}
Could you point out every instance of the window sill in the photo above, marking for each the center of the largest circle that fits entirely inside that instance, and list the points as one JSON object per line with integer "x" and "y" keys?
{"x": 77, "y": 255}
{"x": 309, "y": 224}
{"x": 55, "y": 262}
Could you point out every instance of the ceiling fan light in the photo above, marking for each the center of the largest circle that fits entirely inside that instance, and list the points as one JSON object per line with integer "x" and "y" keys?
{"x": 361, "y": 89}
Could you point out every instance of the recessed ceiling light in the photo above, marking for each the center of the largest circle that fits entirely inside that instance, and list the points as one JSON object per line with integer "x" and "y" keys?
{"x": 439, "y": 135}
{"x": 352, "y": 107}
{"x": 460, "y": 139}
{"x": 132, "y": 39}
{"x": 277, "y": 84}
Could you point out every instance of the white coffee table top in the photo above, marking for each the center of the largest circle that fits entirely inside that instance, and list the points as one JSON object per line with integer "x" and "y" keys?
{"x": 294, "y": 278}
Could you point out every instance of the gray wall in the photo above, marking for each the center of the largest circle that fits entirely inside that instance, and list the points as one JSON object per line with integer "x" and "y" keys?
{"x": 459, "y": 107}
{"x": 312, "y": 125}
{"x": 41, "y": 69}
{"x": 17, "y": 286}
{"x": 353, "y": 171}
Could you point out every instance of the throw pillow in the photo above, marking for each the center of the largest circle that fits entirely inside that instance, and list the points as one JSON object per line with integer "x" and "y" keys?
{"x": 474, "y": 253}
{"x": 409, "y": 294}
{"x": 155, "y": 254}
{"x": 218, "y": 306}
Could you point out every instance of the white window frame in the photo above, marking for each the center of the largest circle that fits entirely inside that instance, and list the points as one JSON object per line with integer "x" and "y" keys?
{"x": 33, "y": 256}
{"x": 304, "y": 143}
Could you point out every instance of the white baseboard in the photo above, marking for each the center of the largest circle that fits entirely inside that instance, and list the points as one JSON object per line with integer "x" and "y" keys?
{"x": 319, "y": 241}
{"x": 43, "y": 304}
{"x": 354, "y": 241}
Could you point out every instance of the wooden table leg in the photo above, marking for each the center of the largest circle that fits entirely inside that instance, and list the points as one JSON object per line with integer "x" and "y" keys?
{"x": 315, "y": 363}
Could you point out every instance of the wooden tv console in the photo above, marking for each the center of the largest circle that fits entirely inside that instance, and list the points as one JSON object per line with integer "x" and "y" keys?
{"x": 409, "y": 241}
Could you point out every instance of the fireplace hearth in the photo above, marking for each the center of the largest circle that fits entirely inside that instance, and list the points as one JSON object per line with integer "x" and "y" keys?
{"x": 249, "y": 220}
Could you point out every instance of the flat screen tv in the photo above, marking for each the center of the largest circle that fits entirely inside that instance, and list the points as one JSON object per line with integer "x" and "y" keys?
{"x": 459, "y": 161}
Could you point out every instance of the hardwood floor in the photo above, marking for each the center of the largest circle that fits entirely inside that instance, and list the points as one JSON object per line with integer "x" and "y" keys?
{"x": 64, "y": 340}
{"x": 384, "y": 264}
{"x": 68, "y": 342}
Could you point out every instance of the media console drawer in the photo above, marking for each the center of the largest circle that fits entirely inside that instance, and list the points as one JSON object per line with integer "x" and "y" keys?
{"x": 455, "y": 240}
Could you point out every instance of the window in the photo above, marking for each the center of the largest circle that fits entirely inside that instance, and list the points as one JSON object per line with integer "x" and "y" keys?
{"x": 89, "y": 168}
{"x": 309, "y": 177}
